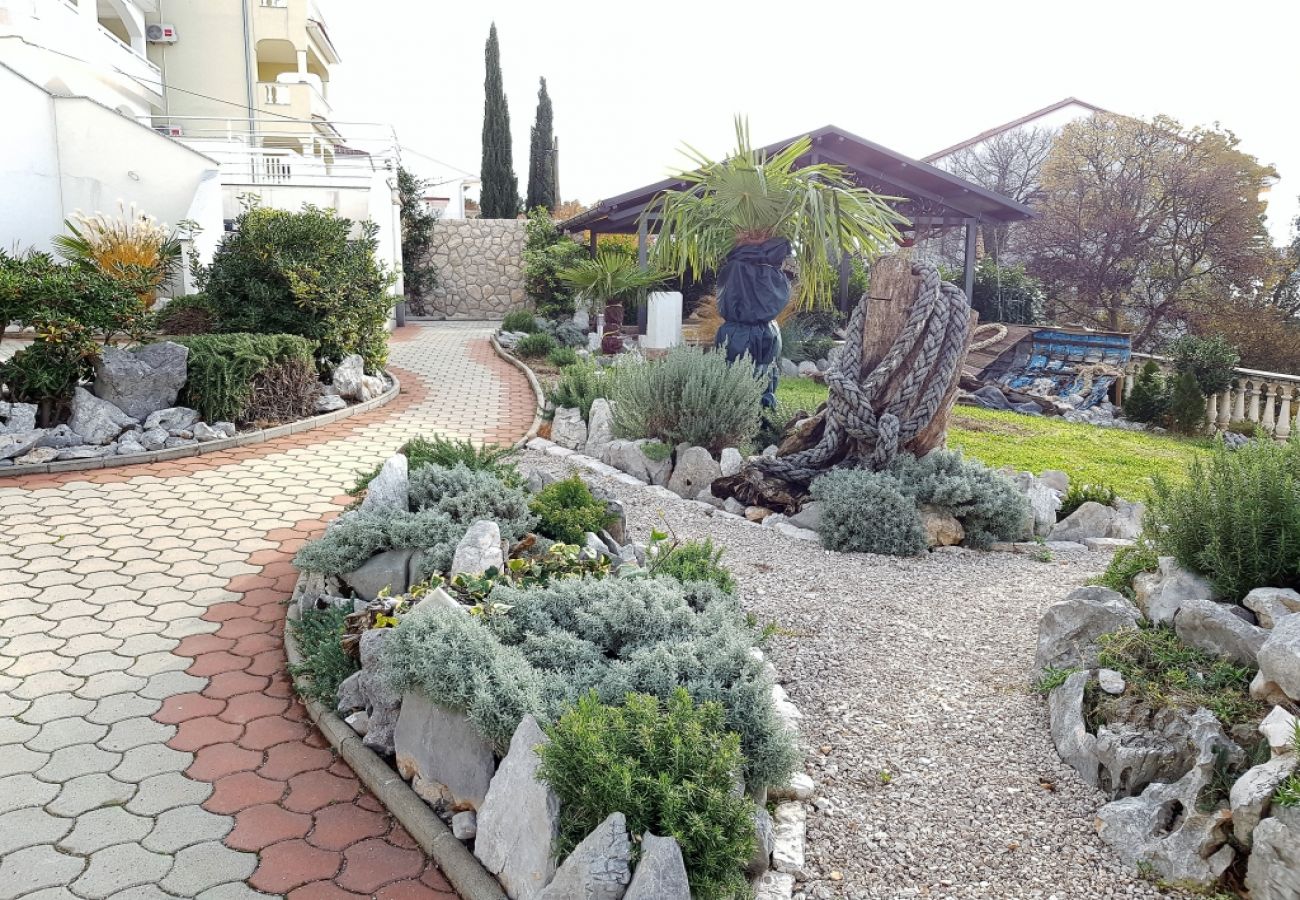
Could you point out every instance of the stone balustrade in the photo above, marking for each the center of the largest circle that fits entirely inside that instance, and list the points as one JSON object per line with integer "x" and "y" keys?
{"x": 1271, "y": 400}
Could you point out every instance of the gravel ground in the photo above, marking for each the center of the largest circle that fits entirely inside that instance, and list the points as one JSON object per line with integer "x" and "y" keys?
{"x": 936, "y": 776}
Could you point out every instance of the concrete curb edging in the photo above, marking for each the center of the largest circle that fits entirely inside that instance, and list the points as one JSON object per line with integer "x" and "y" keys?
{"x": 538, "y": 393}
{"x": 457, "y": 863}
{"x": 239, "y": 440}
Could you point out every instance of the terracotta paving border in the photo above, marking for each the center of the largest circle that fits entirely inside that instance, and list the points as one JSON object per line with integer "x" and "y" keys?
{"x": 317, "y": 831}
{"x": 150, "y": 743}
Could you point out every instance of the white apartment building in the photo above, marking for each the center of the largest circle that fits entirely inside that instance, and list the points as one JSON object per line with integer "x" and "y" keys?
{"x": 182, "y": 107}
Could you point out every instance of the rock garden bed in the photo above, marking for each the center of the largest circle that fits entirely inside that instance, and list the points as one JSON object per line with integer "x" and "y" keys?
{"x": 587, "y": 709}
{"x": 181, "y": 397}
{"x": 1175, "y": 688}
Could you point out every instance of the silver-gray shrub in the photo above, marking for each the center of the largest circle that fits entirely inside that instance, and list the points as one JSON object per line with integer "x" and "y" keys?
{"x": 348, "y": 543}
{"x": 467, "y": 495}
{"x": 988, "y": 504}
{"x": 867, "y": 512}
{"x": 690, "y": 396}
{"x": 610, "y": 636}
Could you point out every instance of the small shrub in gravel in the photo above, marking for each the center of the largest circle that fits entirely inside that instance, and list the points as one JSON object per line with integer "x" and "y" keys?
{"x": 1080, "y": 494}
{"x": 988, "y": 505}
{"x": 690, "y": 396}
{"x": 613, "y": 636}
{"x": 519, "y": 320}
{"x": 867, "y": 513}
{"x": 566, "y": 510}
{"x": 535, "y": 346}
{"x": 448, "y": 452}
{"x": 579, "y": 385}
{"x": 668, "y": 769}
{"x": 695, "y": 561}
{"x": 467, "y": 495}
{"x": 562, "y": 356}
{"x": 1126, "y": 565}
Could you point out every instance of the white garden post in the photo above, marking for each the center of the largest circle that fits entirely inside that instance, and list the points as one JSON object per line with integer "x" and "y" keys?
{"x": 664, "y": 320}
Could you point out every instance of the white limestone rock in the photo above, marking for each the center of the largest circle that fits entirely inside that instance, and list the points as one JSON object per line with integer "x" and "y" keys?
{"x": 172, "y": 419}
{"x": 351, "y": 382}
{"x": 694, "y": 471}
{"x": 443, "y": 748}
{"x": 1252, "y": 793}
{"x": 98, "y": 421}
{"x": 1279, "y": 657}
{"x": 789, "y": 826}
{"x": 389, "y": 489}
{"x": 479, "y": 550}
{"x": 60, "y": 437}
{"x": 1279, "y": 729}
{"x": 1274, "y": 869}
{"x": 142, "y": 380}
{"x": 520, "y": 819}
{"x": 37, "y": 456}
{"x": 17, "y": 417}
{"x": 18, "y": 443}
{"x": 1069, "y": 628}
{"x": 1161, "y": 594}
{"x": 600, "y": 427}
{"x": 731, "y": 461}
{"x": 464, "y": 825}
{"x": 599, "y": 868}
{"x": 1214, "y": 628}
{"x": 660, "y": 873}
{"x": 567, "y": 428}
{"x": 1091, "y": 520}
{"x": 327, "y": 403}
{"x": 1271, "y": 604}
{"x": 205, "y": 433}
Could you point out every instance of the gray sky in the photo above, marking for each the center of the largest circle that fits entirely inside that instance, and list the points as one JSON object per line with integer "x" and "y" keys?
{"x": 631, "y": 82}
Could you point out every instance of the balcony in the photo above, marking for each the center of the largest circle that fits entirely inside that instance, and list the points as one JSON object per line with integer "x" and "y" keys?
{"x": 295, "y": 99}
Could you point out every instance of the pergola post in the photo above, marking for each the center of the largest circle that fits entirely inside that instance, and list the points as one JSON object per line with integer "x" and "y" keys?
{"x": 591, "y": 242}
{"x": 642, "y": 243}
{"x": 968, "y": 264}
{"x": 846, "y": 272}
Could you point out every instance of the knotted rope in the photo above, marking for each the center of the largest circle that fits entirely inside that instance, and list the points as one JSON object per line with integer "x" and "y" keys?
{"x": 868, "y": 421}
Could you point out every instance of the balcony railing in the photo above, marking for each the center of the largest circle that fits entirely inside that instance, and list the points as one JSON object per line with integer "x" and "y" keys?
{"x": 1270, "y": 400}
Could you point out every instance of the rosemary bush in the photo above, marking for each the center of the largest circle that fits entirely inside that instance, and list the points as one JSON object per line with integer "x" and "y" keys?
{"x": 690, "y": 396}
{"x": 695, "y": 561}
{"x": 579, "y": 385}
{"x": 1236, "y": 518}
{"x": 668, "y": 769}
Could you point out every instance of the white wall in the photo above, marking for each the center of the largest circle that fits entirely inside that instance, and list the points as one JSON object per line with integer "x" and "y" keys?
{"x": 73, "y": 154}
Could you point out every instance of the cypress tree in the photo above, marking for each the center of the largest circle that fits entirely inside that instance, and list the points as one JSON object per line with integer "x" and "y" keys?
{"x": 499, "y": 193}
{"x": 541, "y": 164}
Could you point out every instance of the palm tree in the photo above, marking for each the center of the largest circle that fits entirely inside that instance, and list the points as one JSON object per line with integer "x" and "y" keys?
{"x": 612, "y": 277}
{"x": 751, "y": 198}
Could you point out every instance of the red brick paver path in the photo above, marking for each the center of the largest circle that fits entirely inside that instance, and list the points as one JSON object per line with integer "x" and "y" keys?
{"x": 150, "y": 742}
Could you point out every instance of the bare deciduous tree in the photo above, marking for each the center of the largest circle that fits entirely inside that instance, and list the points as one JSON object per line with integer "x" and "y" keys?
{"x": 1009, "y": 164}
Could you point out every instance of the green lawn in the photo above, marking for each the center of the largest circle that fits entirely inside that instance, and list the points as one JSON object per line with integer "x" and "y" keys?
{"x": 1124, "y": 460}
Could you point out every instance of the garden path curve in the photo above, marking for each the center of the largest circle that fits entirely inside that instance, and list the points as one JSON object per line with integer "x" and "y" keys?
{"x": 150, "y": 742}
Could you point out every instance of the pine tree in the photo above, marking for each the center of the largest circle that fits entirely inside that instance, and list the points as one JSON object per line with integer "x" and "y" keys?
{"x": 499, "y": 194}
{"x": 541, "y": 162}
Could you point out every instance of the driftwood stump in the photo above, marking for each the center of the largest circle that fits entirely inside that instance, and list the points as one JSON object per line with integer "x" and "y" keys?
{"x": 891, "y": 295}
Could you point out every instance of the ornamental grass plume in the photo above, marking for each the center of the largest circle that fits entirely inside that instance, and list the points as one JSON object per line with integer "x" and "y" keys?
{"x": 132, "y": 248}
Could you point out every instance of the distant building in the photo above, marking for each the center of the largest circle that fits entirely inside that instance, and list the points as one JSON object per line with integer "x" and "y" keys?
{"x": 1054, "y": 117}
{"x": 213, "y": 100}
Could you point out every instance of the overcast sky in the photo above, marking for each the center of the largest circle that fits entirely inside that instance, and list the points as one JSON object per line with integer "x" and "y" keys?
{"x": 631, "y": 81}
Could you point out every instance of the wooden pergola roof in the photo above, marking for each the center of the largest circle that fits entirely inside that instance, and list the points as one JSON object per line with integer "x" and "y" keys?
{"x": 932, "y": 198}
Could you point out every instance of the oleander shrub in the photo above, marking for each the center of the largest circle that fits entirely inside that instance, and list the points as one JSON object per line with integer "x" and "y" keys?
{"x": 668, "y": 768}
{"x": 1080, "y": 494}
{"x": 987, "y": 503}
{"x": 1235, "y": 518}
{"x": 535, "y": 346}
{"x": 281, "y": 272}
{"x": 867, "y": 512}
{"x": 519, "y": 320}
{"x": 562, "y": 356}
{"x": 1148, "y": 399}
{"x": 612, "y": 636}
{"x": 566, "y": 510}
{"x": 229, "y": 376}
{"x": 348, "y": 543}
{"x": 695, "y": 561}
{"x": 467, "y": 495}
{"x": 690, "y": 396}
{"x": 579, "y": 385}
{"x": 190, "y": 314}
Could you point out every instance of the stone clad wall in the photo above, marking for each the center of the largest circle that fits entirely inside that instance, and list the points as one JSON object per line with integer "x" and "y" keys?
{"x": 480, "y": 269}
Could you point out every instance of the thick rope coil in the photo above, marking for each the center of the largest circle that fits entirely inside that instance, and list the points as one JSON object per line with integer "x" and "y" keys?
{"x": 867, "y": 423}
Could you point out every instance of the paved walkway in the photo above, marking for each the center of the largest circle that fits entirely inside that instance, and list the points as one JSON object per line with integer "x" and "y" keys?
{"x": 150, "y": 743}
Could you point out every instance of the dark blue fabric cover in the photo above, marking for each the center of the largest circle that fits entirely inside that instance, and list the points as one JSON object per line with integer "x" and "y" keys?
{"x": 752, "y": 291}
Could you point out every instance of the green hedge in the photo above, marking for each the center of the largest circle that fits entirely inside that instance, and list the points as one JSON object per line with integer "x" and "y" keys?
{"x": 223, "y": 369}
